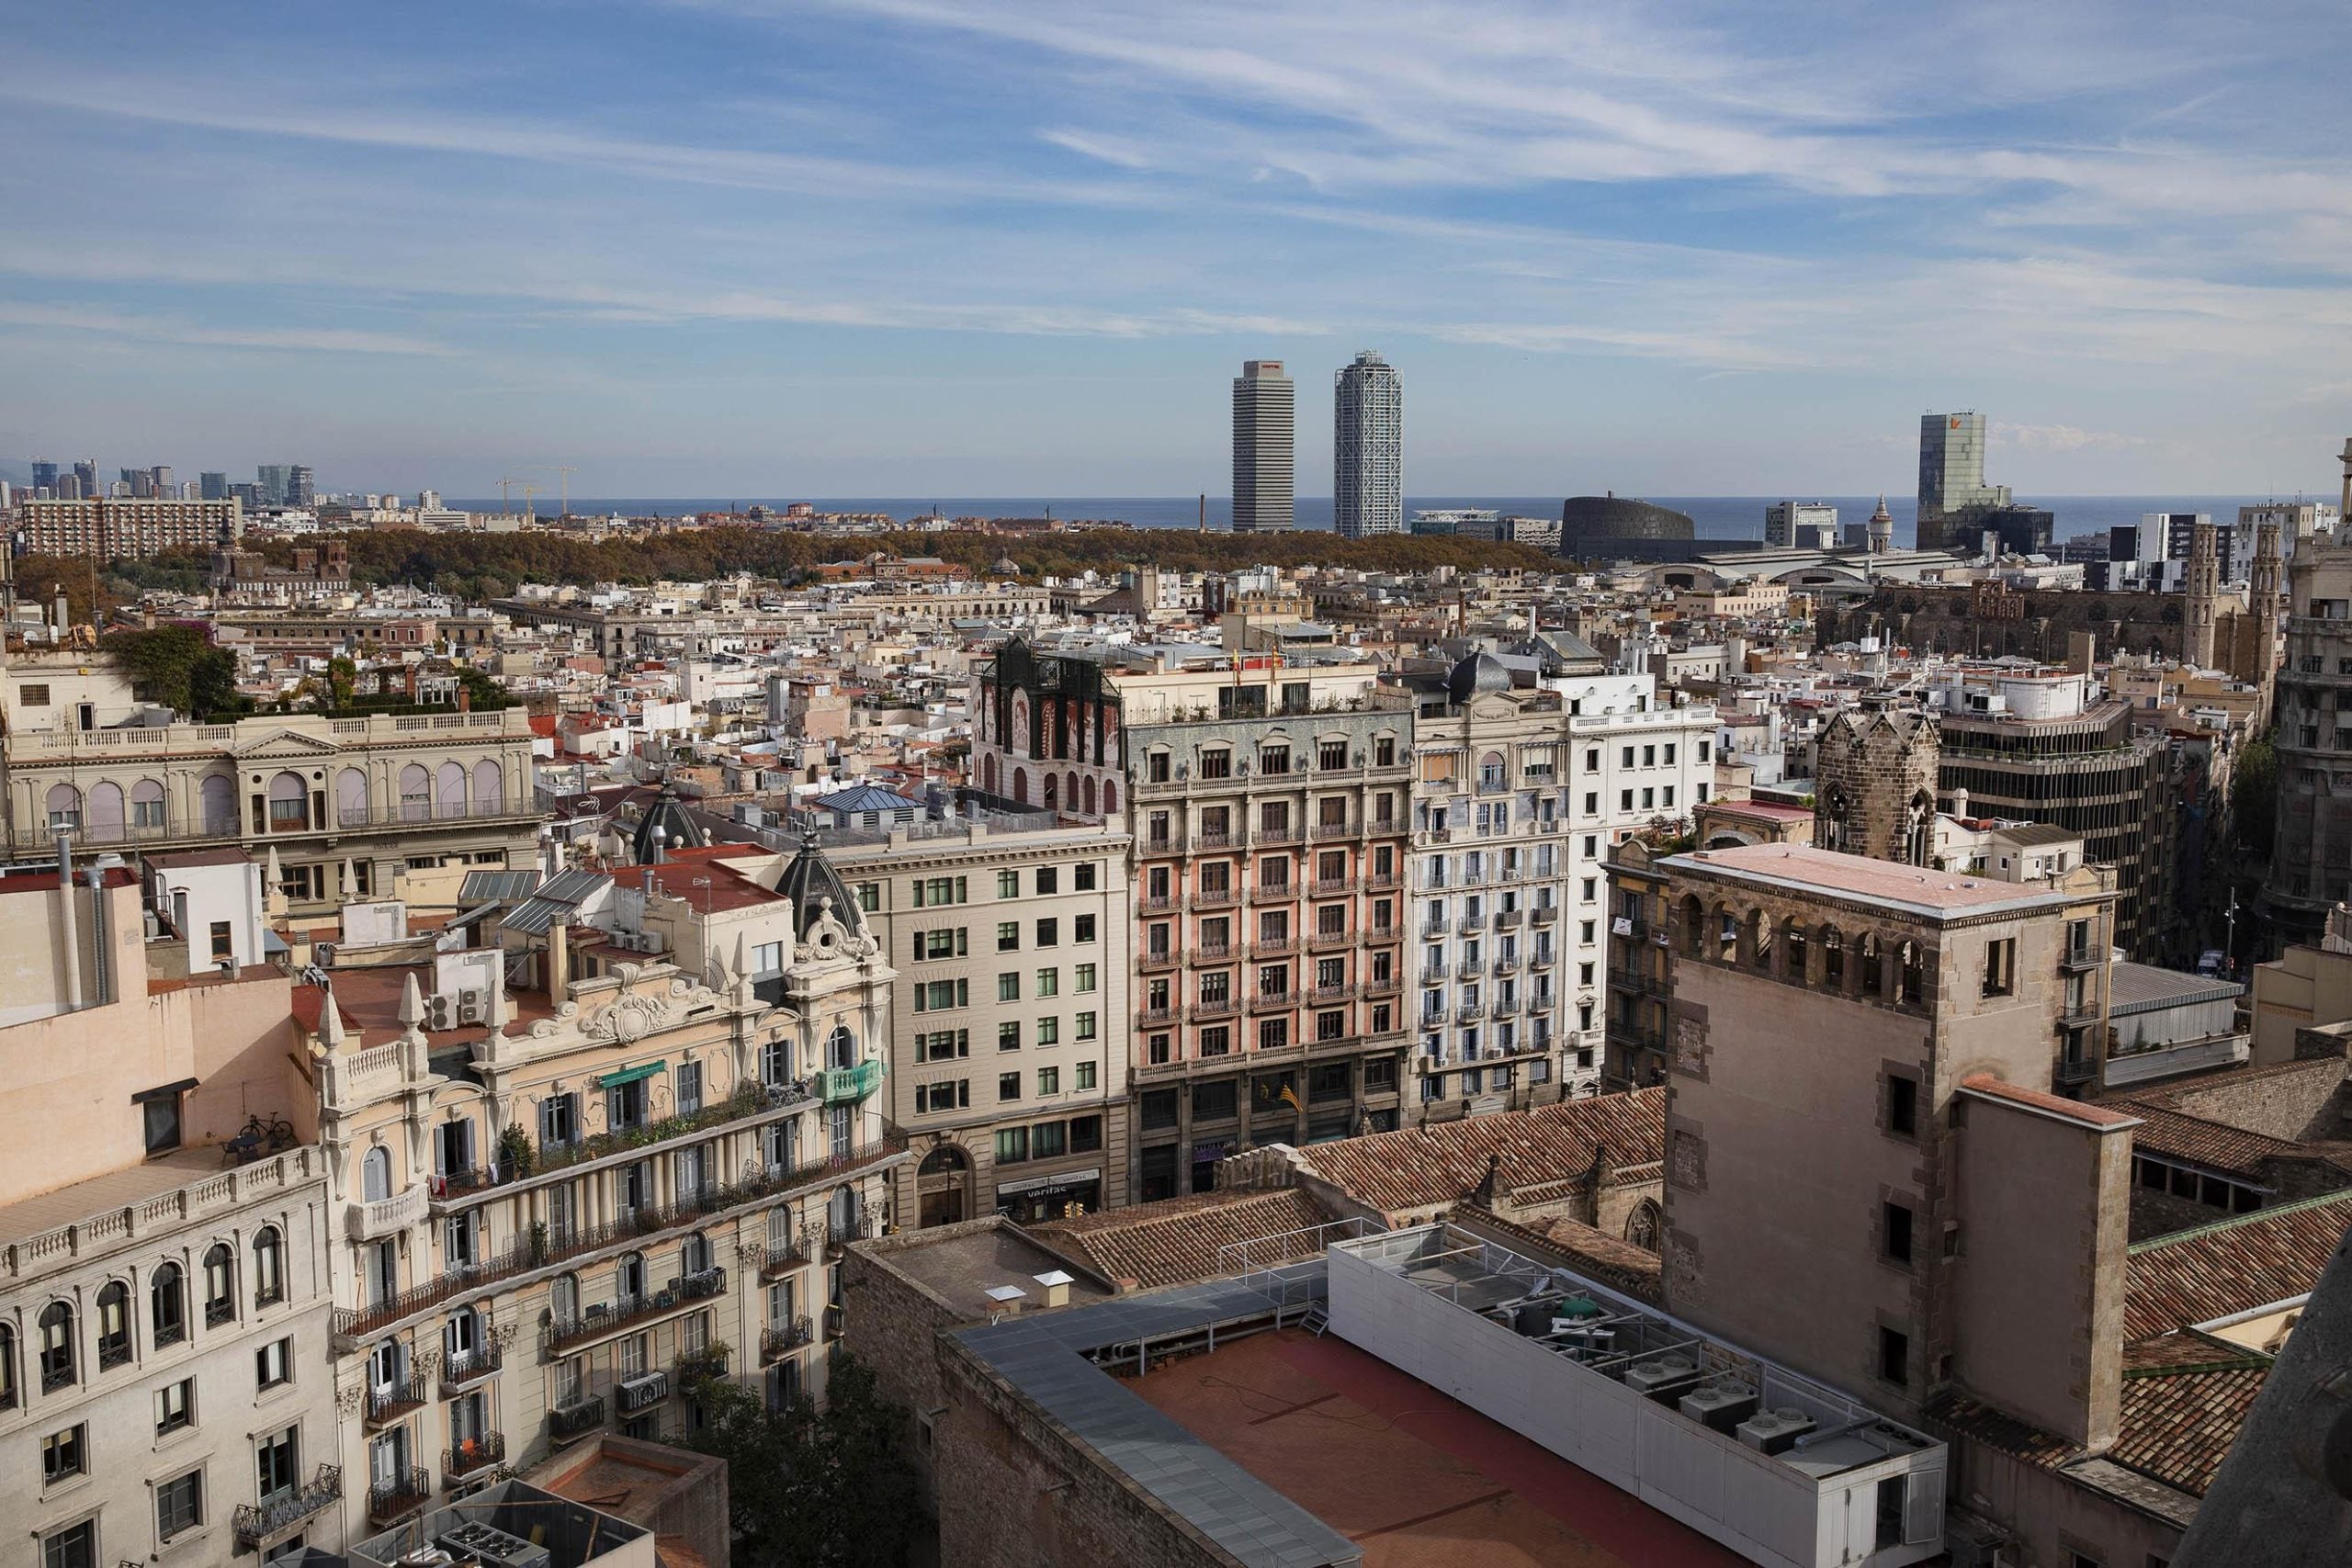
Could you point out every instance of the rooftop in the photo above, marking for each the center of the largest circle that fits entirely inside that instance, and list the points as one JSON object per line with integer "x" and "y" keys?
{"x": 963, "y": 1263}
{"x": 1442, "y": 1163}
{"x": 1800, "y": 867}
{"x": 2234, "y": 1266}
{"x": 2142, "y": 988}
{"x": 1181, "y": 1239}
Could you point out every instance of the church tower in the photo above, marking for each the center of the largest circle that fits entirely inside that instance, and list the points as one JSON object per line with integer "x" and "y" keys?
{"x": 2204, "y": 595}
{"x": 1880, "y": 537}
{"x": 2267, "y": 587}
{"x": 1874, "y": 783}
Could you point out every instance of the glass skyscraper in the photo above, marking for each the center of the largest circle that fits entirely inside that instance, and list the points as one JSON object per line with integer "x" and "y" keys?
{"x": 1368, "y": 448}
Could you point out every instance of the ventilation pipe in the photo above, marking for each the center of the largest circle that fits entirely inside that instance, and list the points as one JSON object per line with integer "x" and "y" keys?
{"x": 101, "y": 987}
{"x": 67, "y": 924}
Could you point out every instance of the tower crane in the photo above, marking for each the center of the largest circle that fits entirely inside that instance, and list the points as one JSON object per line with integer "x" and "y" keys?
{"x": 564, "y": 483}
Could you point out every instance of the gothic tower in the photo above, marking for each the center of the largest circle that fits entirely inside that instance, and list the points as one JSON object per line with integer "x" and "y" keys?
{"x": 1874, "y": 783}
{"x": 2204, "y": 595}
{"x": 2267, "y": 587}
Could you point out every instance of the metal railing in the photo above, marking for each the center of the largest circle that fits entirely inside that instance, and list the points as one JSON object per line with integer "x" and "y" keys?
{"x": 607, "y": 1316}
{"x": 394, "y": 1401}
{"x": 395, "y": 1495}
{"x": 457, "y": 1371}
{"x": 691, "y": 1366}
{"x": 549, "y": 1159}
{"x": 478, "y": 1452}
{"x": 255, "y": 1523}
{"x": 566, "y": 1422}
{"x": 783, "y": 1338}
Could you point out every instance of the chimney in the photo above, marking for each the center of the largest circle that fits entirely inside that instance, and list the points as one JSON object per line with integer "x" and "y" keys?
{"x": 1959, "y": 804}
{"x": 67, "y": 924}
{"x": 465, "y": 699}
{"x": 559, "y": 962}
{"x": 1008, "y": 1300}
{"x": 1057, "y": 1288}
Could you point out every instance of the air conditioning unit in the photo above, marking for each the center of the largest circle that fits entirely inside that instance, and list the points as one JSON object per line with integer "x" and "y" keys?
{"x": 473, "y": 1006}
{"x": 491, "y": 1547}
{"x": 440, "y": 1011}
{"x": 1721, "y": 1405}
{"x": 1667, "y": 1374}
{"x": 1773, "y": 1431}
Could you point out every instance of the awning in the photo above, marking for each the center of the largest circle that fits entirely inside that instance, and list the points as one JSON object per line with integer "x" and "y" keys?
{"x": 630, "y": 1074}
{"x": 1060, "y": 1182}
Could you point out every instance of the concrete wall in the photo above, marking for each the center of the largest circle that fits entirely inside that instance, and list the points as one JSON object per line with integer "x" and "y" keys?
{"x": 2053, "y": 1517}
{"x": 2044, "y": 1205}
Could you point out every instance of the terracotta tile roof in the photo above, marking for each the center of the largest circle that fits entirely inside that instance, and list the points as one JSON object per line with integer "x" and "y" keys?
{"x": 2178, "y": 1426}
{"x": 1180, "y": 1240}
{"x": 2214, "y": 1145}
{"x": 2234, "y": 1266}
{"x": 1998, "y": 1430}
{"x": 2088, "y": 1115}
{"x": 1424, "y": 1166}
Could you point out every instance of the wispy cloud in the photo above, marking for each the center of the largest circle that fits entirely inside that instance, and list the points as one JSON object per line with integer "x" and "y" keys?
{"x": 157, "y": 329}
{"x": 2057, "y": 437}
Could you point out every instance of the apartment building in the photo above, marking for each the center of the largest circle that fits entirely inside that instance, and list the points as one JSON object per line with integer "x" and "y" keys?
{"x": 1528, "y": 776}
{"x": 2310, "y": 856}
{"x": 344, "y": 803}
{"x": 1012, "y": 936}
{"x": 578, "y": 1170}
{"x": 164, "y": 1289}
{"x": 121, "y": 528}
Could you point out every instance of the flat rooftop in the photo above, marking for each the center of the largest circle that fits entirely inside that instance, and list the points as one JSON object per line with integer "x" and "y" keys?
{"x": 963, "y": 1263}
{"x": 1803, "y": 869}
{"x": 1413, "y": 1478}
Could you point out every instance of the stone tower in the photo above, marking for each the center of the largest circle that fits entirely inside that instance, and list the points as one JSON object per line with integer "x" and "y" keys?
{"x": 1879, "y": 540}
{"x": 2267, "y": 587}
{"x": 1874, "y": 783}
{"x": 2204, "y": 594}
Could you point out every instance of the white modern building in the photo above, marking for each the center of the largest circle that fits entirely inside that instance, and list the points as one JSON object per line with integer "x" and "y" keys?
{"x": 1800, "y": 525}
{"x": 1368, "y": 448}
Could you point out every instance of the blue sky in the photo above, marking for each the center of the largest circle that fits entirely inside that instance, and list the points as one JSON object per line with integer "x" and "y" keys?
{"x": 1013, "y": 247}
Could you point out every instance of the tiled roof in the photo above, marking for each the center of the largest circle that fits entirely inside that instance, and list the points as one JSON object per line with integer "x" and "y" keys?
{"x": 2000, "y": 1431}
{"x": 1437, "y": 1164}
{"x": 1180, "y": 1240}
{"x": 2076, "y": 1111}
{"x": 2178, "y": 1426}
{"x": 2195, "y": 1276}
{"x": 2214, "y": 1145}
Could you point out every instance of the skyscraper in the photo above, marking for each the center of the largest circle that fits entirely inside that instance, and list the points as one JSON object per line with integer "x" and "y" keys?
{"x": 301, "y": 489}
{"x": 1368, "y": 448}
{"x": 1263, "y": 406}
{"x": 44, "y": 475}
{"x": 273, "y": 479}
{"x": 1951, "y": 476}
{"x": 214, "y": 486}
{"x": 86, "y": 470}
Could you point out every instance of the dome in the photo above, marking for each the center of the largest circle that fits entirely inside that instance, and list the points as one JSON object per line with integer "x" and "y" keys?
{"x": 678, "y": 830}
{"x": 1477, "y": 675}
{"x": 810, "y": 880}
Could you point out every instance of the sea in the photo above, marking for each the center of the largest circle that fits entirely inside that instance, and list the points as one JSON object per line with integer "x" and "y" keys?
{"x": 1715, "y": 516}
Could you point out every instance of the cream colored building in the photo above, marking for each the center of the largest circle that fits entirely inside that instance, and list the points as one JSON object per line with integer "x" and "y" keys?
{"x": 345, "y": 805}
{"x": 164, "y": 1388}
{"x": 575, "y": 1172}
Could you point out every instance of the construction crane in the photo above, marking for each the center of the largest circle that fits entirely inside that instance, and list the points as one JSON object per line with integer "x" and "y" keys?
{"x": 530, "y": 489}
{"x": 564, "y": 483}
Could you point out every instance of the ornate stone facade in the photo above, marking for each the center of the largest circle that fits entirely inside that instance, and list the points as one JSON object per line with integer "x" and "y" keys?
{"x": 1874, "y": 789}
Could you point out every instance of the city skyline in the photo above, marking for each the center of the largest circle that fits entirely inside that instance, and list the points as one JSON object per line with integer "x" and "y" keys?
{"x": 1710, "y": 254}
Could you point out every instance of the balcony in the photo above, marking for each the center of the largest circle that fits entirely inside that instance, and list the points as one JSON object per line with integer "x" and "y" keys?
{"x": 568, "y": 1423}
{"x": 1468, "y": 969}
{"x": 220, "y": 1310}
{"x": 1507, "y": 920}
{"x": 839, "y": 1233}
{"x": 459, "y": 1372}
{"x": 1272, "y": 1001}
{"x": 255, "y": 1525}
{"x": 1156, "y": 958}
{"x": 2084, "y": 957}
{"x": 389, "y": 1404}
{"x": 2076, "y": 1070}
{"x": 550, "y": 1162}
{"x": 834, "y": 1325}
{"x": 1219, "y": 838}
{"x": 386, "y": 1216}
{"x": 1327, "y": 996}
{"x": 1469, "y": 1012}
{"x": 1156, "y": 903}
{"x": 398, "y": 1496}
{"x": 1155, "y": 1018}
{"x": 1436, "y": 925}
{"x": 847, "y": 1085}
{"x": 1384, "y": 985}
{"x": 776, "y": 1260}
{"x": 696, "y": 1366}
{"x": 1507, "y": 965}
{"x": 1285, "y": 834}
{"x": 113, "y": 1353}
{"x": 1213, "y": 898}
{"x": 779, "y": 1341}
{"x": 1544, "y": 914}
{"x": 1540, "y": 958}
{"x": 1330, "y": 941}
{"x": 1274, "y": 892}
{"x": 1223, "y": 1007}
{"x": 353, "y": 1325}
{"x": 641, "y": 1392}
{"x": 1222, "y": 953}
{"x": 1332, "y": 887}
{"x": 611, "y": 1317}
{"x": 479, "y": 1452}
{"x": 1282, "y": 949}
{"x": 1327, "y": 832}
{"x": 1382, "y": 882}
{"x": 1164, "y": 844}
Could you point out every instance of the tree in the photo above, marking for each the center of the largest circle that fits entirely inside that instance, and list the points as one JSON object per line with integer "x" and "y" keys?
{"x": 2253, "y": 796}
{"x": 810, "y": 1488}
{"x": 160, "y": 662}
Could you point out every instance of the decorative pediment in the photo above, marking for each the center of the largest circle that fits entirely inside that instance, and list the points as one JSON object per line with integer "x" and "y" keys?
{"x": 287, "y": 743}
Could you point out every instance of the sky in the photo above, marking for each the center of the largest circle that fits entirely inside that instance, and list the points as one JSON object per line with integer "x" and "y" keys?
{"x": 1020, "y": 247}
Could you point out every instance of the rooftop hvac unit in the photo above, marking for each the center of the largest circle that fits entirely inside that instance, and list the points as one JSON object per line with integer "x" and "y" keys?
{"x": 1721, "y": 1405}
{"x": 645, "y": 1389}
{"x": 472, "y": 1007}
{"x": 1665, "y": 1375}
{"x": 491, "y": 1547}
{"x": 440, "y": 1011}
{"x": 1774, "y": 1431}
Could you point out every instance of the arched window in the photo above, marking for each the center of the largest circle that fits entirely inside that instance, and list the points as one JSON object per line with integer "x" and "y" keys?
{"x": 147, "y": 805}
{"x": 387, "y": 1366}
{"x": 351, "y": 797}
{"x": 1052, "y": 792}
{"x": 220, "y": 1284}
{"x": 1794, "y": 956}
{"x": 1910, "y": 973}
{"x": 841, "y": 1049}
{"x": 694, "y": 1254}
{"x": 9, "y": 1396}
{"x": 1089, "y": 797}
{"x": 105, "y": 811}
{"x": 490, "y": 784}
{"x": 1759, "y": 940}
{"x": 1694, "y": 926}
{"x": 1110, "y": 797}
{"x": 449, "y": 799}
{"x": 1833, "y": 959}
{"x": 1642, "y": 1225}
{"x": 1873, "y": 966}
{"x": 217, "y": 803}
{"x": 563, "y": 1300}
{"x": 1726, "y": 934}
{"x": 461, "y": 1337}
{"x": 416, "y": 793}
{"x": 944, "y": 1159}
{"x": 56, "y": 1346}
{"x": 988, "y": 772}
{"x": 269, "y": 1267}
{"x": 289, "y": 802}
{"x": 64, "y": 807}
{"x": 113, "y": 1324}
{"x": 845, "y": 1216}
{"x": 628, "y": 1278}
{"x": 167, "y": 1305}
{"x": 1490, "y": 773}
{"x": 375, "y": 1174}
{"x": 1020, "y": 786}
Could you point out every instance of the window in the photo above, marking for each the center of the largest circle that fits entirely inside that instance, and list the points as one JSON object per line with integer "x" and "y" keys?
{"x": 955, "y": 1095}
{"x": 943, "y": 1045}
{"x": 560, "y": 1119}
{"x": 869, "y": 897}
{"x": 938, "y": 995}
{"x": 64, "y": 1455}
{"x": 1008, "y": 884}
{"x": 274, "y": 1364}
{"x": 1049, "y": 880}
{"x": 1048, "y": 931}
{"x": 1049, "y": 1032}
{"x": 1008, "y": 936}
{"x": 942, "y": 943}
{"x": 1217, "y": 763}
{"x": 1084, "y": 1078}
{"x": 76, "y": 1546}
{"x": 1008, "y": 1035}
{"x": 1894, "y": 1224}
{"x": 179, "y": 1504}
{"x": 162, "y": 1120}
{"x": 57, "y": 1344}
{"x": 269, "y": 1267}
{"x": 687, "y": 1083}
{"x": 1049, "y": 982}
{"x": 1894, "y": 1355}
{"x": 174, "y": 1406}
{"x": 1902, "y": 1107}
{"x": 1046, "y": 1141}
{"x": 1082, "y": 929}
{"x": 938, "y": 891}
{"x": 1049, "y": 1080}
{"x": 33, "y": 694}
{"x": 1008, "y": 1086}
{"x": 1081, "y": 876}
{"x": 1012, "y": 1146}
{"x": 1084, "y": 978}
{"x": 2000, "y": 967}
{"x": 1086, "y": 1026}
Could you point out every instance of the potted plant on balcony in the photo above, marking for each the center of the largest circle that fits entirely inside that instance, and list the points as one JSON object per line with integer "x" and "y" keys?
{"x": 515, "y": 1151}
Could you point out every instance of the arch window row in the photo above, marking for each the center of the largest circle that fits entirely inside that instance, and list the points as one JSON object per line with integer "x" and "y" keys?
{"x": 1819, "y": 957}
{"x": 170, "y": 1298}
{"x": 285, "y": 801}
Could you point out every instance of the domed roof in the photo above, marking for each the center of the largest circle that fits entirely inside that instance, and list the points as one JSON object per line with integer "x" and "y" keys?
{"x": 666, "y": 815}
{"x": 810, "y": 880}
{"x": 1477, "y": 675}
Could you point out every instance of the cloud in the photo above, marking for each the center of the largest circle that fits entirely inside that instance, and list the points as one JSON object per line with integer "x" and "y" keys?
{"x": 156, "y": 329}
{"x": 2058, "y": 438}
